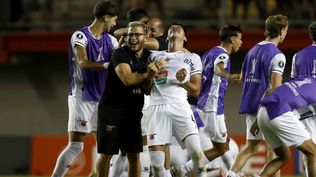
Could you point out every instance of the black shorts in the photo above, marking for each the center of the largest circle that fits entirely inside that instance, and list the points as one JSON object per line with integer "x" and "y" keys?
{"x": 119, "y": 129}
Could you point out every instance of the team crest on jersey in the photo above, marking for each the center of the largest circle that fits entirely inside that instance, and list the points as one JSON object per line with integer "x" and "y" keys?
{"x": 161, "y": 78}
{"x": 281, "y": 64}
{"x": 79, "y": 36}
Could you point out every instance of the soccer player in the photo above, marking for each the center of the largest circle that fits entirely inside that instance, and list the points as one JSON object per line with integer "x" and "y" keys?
{"x": 89, "y": 55}
{"x": 280, "y": 126}
{"x": 169, "y": 110}
{"x": 215, "y": 77}
{"x": 262, "y": 71}
{"x": 120, "y": 107}
{"x": 304, "y": 63}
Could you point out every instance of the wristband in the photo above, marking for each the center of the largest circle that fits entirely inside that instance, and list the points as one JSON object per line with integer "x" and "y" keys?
{"x": 186, "y": 79}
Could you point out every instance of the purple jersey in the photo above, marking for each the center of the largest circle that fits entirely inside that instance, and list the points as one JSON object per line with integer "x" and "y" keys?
{"x": 305, "y": 61}
{"x": 91, "y": 83}
{"x": 294, "y": 94}
{"x": 255, "y": 76}
{"x": 213, "y": 87}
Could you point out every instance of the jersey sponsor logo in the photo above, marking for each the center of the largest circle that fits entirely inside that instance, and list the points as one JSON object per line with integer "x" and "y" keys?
{"x": 281, "y": 64}
{"x": 79, "y": 36}
{"x": 190, "y": 63}
{"x": 161, "y": 78}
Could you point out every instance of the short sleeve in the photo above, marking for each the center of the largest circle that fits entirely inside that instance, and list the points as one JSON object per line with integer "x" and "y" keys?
{"x": 197, "y": 64}
{"x": 79, "y": 38}
{"x": 113, "y": 42}
{"x": 222, "y": 58}
{"x": 278, "y": 63}
{"x": 119, "y": 55}
{"x": 293, "y": 69}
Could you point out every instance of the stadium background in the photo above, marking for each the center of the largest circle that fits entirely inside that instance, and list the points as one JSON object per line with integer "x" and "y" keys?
{"x": 34, "y": 36}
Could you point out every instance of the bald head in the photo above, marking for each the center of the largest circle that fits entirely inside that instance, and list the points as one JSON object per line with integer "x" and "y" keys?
{"x": 156, "y": 27}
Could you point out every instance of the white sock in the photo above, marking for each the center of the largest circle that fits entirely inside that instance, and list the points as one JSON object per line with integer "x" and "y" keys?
{"x": 119, "y": 166}
{"x": 66, "y": 158}
{"x": 192, "y": 142}
{"x": 157, "y": 159}
{"x": 145, "y": 161}
{"x": 228, "y": 159}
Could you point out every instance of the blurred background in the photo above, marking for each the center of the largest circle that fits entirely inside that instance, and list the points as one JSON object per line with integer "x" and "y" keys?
{"x": 34, "y": 39}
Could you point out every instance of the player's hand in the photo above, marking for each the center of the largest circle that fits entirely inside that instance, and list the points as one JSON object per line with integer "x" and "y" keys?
{"x": 181, "y": 75}
{"x": 161, "y": 63}
{"x": 234, "y": 78}
{"x": 152, "y": 70}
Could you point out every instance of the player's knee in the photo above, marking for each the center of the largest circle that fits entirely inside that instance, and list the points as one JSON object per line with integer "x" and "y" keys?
{"x": 75, "y": 147}
{"x": 157, "y": 159}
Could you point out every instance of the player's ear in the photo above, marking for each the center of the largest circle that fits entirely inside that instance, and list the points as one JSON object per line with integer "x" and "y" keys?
{"x": 106, "y": 17}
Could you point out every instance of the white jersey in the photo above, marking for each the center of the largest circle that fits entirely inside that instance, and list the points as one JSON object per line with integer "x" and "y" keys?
{"x": 166, "y": 88}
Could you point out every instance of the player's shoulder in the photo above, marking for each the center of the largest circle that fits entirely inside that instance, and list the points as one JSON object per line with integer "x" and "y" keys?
{"x": 191, "y": 55}
{"x": 79, "y": 35}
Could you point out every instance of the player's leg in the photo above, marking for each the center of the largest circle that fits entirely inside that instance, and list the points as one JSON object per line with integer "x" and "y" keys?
{"x": 159, "y": 135}
{"x": 69, "y": 154}
{"x": 119, "y": 165}
{"x": 252, "y": 145}
{"x": 82, "y": 120}
{"x": 192, "y": 143}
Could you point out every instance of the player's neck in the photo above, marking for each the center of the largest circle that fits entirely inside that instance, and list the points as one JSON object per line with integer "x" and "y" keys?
{"x": 275, "y": 41}
{"x": 227, "y": 47}
{"x": 175, "y": 45}
{"x": 96, "y": 29}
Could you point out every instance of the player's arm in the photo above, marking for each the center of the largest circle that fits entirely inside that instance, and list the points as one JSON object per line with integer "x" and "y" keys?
{"x": 124, "y": 72}
{"x": 232, "y": 78}
{"x": 120, "y": 32}
{"x": 193, "y": 86}
{"x": 293, "y": 70}
{"x": 277, "y": 69}
{"x": 84, "y": 63}
{"x": 151, "y": 44}
{"x": 276, "y": 81}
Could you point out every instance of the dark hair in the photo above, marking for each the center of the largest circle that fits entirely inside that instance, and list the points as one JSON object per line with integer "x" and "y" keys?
{"x": 312, "y": 30}
{"x": 274, "y": 24}
{"x": 138, "y": 23}
{"x": 105, "y": 8}
{"x": 227, "y": 31}
{"x": 135, "y": 14}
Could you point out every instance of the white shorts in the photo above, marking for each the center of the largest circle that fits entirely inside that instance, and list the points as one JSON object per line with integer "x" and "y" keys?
{"x": 144, "y": 121}
{"x": 82, "y": 115}
{"x": 215, "y": 126}
{"x": 310, "y": 125}
{"x": 250, "y": 120}
{"x": 166, "y": 120}
{"x": 284, "y": 130}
